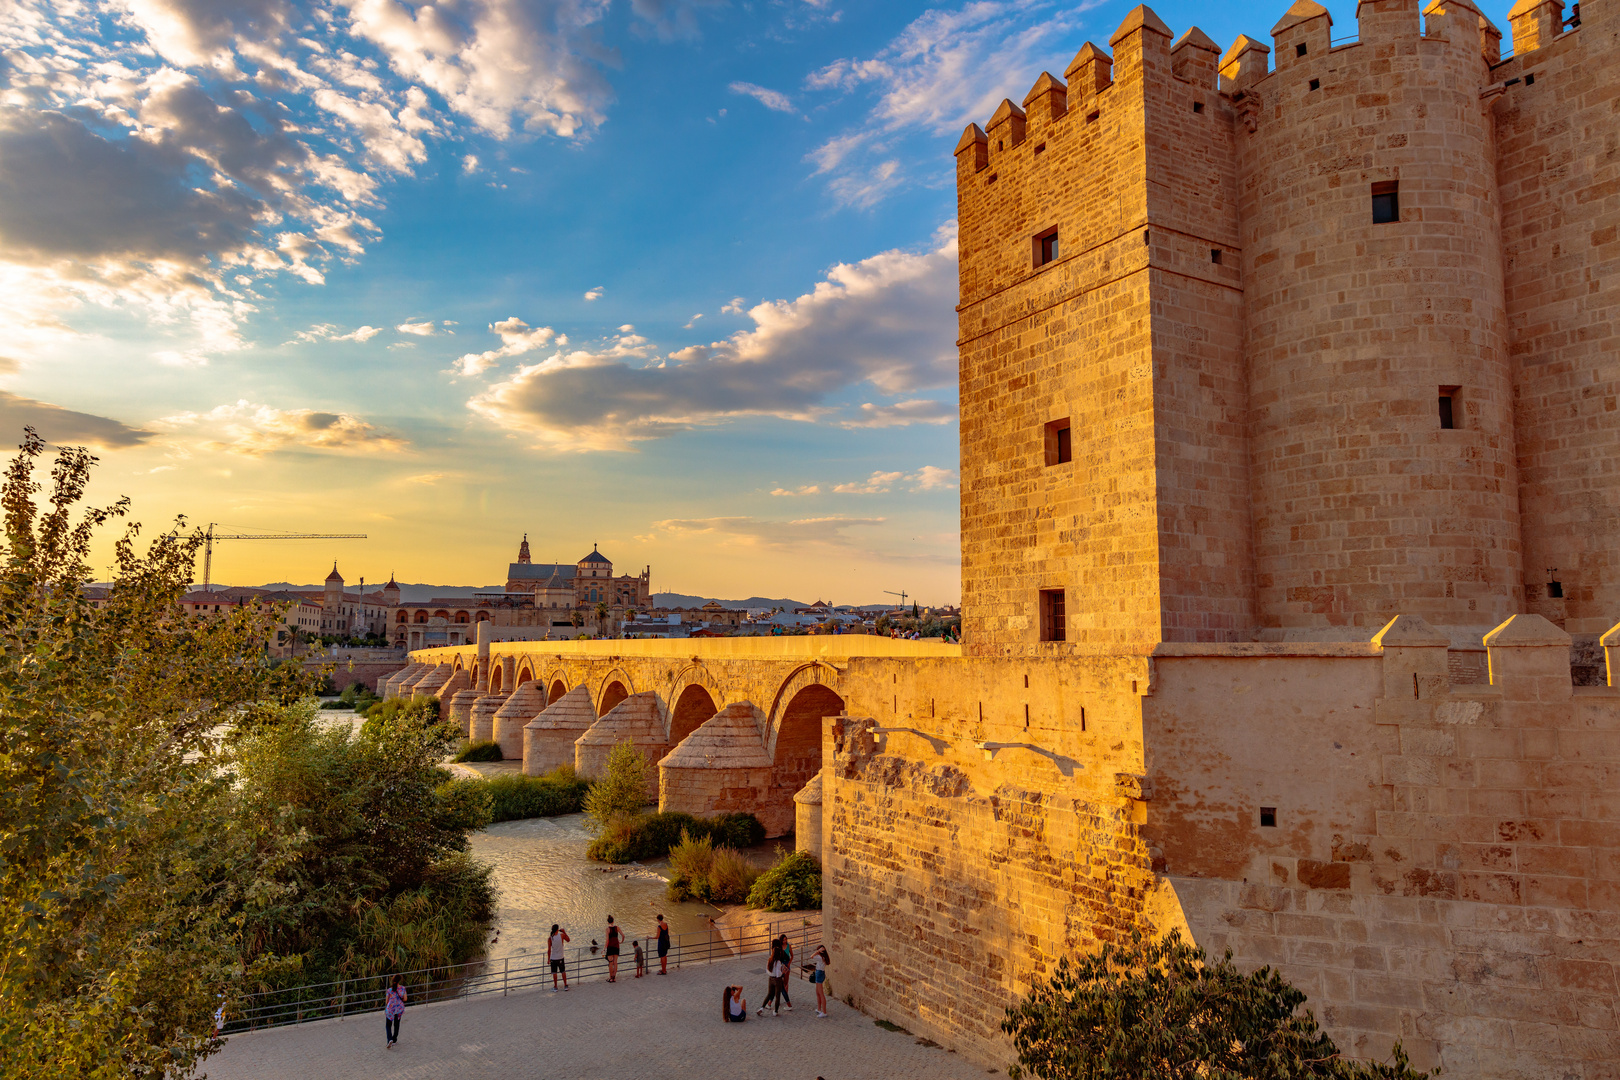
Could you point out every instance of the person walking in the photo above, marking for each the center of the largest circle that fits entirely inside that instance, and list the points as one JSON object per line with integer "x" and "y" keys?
{"x": 773, "y": 971}
{"x": 663, "y": 946}
{"x": 555, "y": 953}
{"x": 613, "y": 940}
{"x": 394, "y": 1009}
{"x": 819, "y": 977}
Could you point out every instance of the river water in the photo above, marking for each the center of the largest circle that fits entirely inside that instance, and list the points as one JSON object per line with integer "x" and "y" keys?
{"x": 544, "y": 877}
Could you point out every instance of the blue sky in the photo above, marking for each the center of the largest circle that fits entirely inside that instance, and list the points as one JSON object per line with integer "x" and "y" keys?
{"x": 671, "y": 276}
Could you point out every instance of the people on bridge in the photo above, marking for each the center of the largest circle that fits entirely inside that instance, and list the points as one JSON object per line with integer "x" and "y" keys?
{"x": 641, "y": 958}
{"x": 555, "y": 953}
{"x": 663, "y": 946}
{"x": 776, "y": 973}
{"x": 783, "y": 944}
{"x": 394, "y": 1009}
{"x": 613, "y": 940}
{"x": 733, "y": 1009}
{"x": 819, "y": 977}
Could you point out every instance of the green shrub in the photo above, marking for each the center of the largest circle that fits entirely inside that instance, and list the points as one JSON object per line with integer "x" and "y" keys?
{"x": 480, "y": 751}
{"x": 689, "y": 864}
{"x": 333, "y": 705}
{"x": 515, "y": 796}
{"x": 423, "y": 710}
{"x": 623, "y": 791}
{"x": 629, "y": 838}
{"x": 731, "y": 877}
{"x": 793, "y": 884}
{"x": 1166, "y": 1009}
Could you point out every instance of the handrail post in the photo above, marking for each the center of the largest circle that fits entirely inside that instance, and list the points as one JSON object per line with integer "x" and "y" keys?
{"x": 506, "y": 976}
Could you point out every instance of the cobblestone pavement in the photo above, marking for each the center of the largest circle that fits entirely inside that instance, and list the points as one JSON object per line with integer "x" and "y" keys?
{"x": 652, "y": 1028}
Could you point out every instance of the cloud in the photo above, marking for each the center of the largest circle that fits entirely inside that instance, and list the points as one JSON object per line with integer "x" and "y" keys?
{"x": 807, "y": 489}
{"x": 429, "y": 478}
{"x": 737, "y": 306}
{"x": 774, "y": 100}
{"x": 65, "y": 426}
{"x": 884, "y": 322}
{"x": 944, "y": 70}
{"x": 692, "y": 321}
{"x": 517, "y": 338}
{"x": 672, "y": 19}
{"x": 469, "y": 164}
{"x": 594, "y": 293}
{"x": 418, "y": 329}
{"x": 901, "y": 414}
{"x": 329, "y": 332}
{"x": 933, "y": 478}
{"x": 763, "y": 533}
{"x": 255, "y": 430}
{"x": 876, "y": 484}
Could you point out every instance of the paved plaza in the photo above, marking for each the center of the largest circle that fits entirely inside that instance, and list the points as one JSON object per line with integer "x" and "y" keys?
{"x": 654, "y": 1027}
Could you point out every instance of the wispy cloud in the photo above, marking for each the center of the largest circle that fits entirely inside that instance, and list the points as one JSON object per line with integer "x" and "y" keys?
{"x": 806, "y": 489}
{"x": 594, "y": 293}
{"x": 751, "y": 532}
{"x": 517, "y": 337}
{"x": 418, "y": 329}
{"x": 66, "y": 426}
{"x": 331, "y": 332}
{"x": 876, "y": 484}
{"x": 774, "y": 100}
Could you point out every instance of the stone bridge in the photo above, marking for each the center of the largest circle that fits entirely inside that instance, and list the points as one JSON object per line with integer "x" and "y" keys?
{"x": 570, "y": 702}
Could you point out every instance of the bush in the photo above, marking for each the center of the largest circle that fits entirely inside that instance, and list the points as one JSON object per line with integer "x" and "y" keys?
{"x": 421, "y": 710}
{"x": 699, "y": 870}
{"x": 629, "y": 838}
{"x": 515, "y": 796}
{"x": 479, "y": 751}
{"x": 623, "y": 791}
{"x": 793, "y": 884}
{"x": 1163, "y": 1009}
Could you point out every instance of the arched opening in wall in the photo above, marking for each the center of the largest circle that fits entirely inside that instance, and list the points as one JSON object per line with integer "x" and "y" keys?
{"x": 798, "y": 740}
{"x": 483, "y": 616}
{"x": 523, "y": 676}
{"x": 456, "y": 665}
{"x": 692, "y": 708}
{"x": 421, "y": 616}
{"x": 461, "y": 616}
{"x": 557, "y": 690}
{"x": 612, "y": 694}
{"x": 495, "y": 674}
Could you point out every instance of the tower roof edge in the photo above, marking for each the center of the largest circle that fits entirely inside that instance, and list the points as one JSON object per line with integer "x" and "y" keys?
{"x": 1141, "y": 17}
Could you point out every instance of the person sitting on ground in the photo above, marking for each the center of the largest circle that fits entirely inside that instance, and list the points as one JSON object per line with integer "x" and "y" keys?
{"x": 733, "y": 1009}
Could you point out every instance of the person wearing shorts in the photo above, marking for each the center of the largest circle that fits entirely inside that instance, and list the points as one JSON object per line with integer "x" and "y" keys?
{"x": 663, "y": 946}
{"x": 820, "y": 979}
{"x": 554, "y": 953}
{"x": 613, "y": 939}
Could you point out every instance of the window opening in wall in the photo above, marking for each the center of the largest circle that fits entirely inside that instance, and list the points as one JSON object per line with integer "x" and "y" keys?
{"x": 1555, "y": 588}
{"x": 1268, "y": 817}
{"x": 993, "y": 178}
{"x": 1448, "y": 414}
{"x": 1026, "y": 682}
{"x": 1059, "y": 445}
{"x": 1082, "y": 718}
{"x": 1053, "y": 620}
{"x": 1026, "y": 717}
{"x": 1316, "y": 84}
{"x": 1299, "y": 50}
{"x": 1046, "y": 247}
{"x": 1198, "y": 106}
{"x": 1093, "y": 115}
{"x": 1386, "y": 202}
{"x": 1529, "y": 80}
{"x": 1147, "y": 237}
{"x": 998, "y": 144}
{"x": 1040, "y": 148}
{"x": 1215, "y": 255}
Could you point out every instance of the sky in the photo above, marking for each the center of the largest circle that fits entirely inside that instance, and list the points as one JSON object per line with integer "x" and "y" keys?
{"x": 675, "y": 278}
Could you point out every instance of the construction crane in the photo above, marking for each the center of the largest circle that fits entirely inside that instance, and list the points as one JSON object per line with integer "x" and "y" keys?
{"x": 901, "y": 594}
{"x": 209, "y": 536}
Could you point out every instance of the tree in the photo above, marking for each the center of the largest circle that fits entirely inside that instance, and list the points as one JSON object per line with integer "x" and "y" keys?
{"x": 576, "y": 618}
{"x": 601, "y": 617}
{"x": 1160, "y": 1010}
{"x": 623, "y": 791}
{"x": 124, "y": 876}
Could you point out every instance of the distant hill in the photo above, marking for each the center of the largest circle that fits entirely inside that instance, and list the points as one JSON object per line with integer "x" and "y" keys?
{"x": 679, "y": 600}
{"x": 409, "y": 592}
{"x": 417, "y": 593}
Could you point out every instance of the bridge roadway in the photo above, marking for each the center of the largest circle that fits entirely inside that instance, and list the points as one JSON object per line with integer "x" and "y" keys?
{"x": 649, "y": 1028}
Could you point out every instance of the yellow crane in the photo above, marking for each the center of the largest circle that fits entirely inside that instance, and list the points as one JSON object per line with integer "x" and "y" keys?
{"x": 209, "y": 536}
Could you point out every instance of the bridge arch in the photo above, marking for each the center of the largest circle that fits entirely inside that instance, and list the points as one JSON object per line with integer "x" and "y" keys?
{"x": 457, "y": 664}
{"x": 817, "y": 673}
{"x": 693, "y": 707}
{"x": 497, "y": 672}
{"x": 557, "y": 685}
{"x": 691, "y": 675}
{"x": 525, "y": 672}
{"x": 616, "y": 686}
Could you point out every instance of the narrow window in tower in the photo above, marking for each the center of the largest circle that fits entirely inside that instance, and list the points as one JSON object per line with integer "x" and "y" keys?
{"x": 1215, "y": 256}
{"x": 1040, "y": 148}
{"x": 1053, "y": 626}
{"x": 1448, "y": 407}
{"x": 1268, "y": 817}
{"x": 1386, "y": 202}
{"x": 1529, "y": 80}
{"x": 1093, "y": 115}
{"x": 1046, "y": 247}
{"x": 1299, "y": 50}
{"x": 1316, "y": 84}
{"x": 1059, "y": 448}
{"x": 1198, "y": 106}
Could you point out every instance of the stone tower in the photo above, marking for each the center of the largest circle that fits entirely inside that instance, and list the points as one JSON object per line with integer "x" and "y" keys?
{"x": 1275, "y": 345}
{"x": 332, "y": 600}
{"x": 523, "y": 550}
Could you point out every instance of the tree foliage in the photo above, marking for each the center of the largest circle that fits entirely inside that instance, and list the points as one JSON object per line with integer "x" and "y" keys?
{"x": 793, "y": 884}
{"x": 123, "y": 879}
{"x": 623, "y": 791}
{"x": 1161, "y": 1010}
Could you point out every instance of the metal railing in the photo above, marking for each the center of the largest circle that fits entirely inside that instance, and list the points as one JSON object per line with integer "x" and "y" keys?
{"x": 352, "y": 997}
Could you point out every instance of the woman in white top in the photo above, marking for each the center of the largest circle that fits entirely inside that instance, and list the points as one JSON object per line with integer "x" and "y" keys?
{"x": 820, "y": 979}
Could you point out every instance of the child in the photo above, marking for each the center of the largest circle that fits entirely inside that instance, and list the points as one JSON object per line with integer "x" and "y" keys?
{"x": 641, "y": 960}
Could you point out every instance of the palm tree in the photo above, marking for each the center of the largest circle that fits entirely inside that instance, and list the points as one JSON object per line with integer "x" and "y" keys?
{"x": 601, "y": 617}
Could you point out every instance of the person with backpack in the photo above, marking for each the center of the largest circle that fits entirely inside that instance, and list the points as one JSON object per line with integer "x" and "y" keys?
{"x": 776, "y": 973}
{"x": 394, "y": 1009}
{"x": 819, "y": 977}
{"x": 783, "y": 944}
